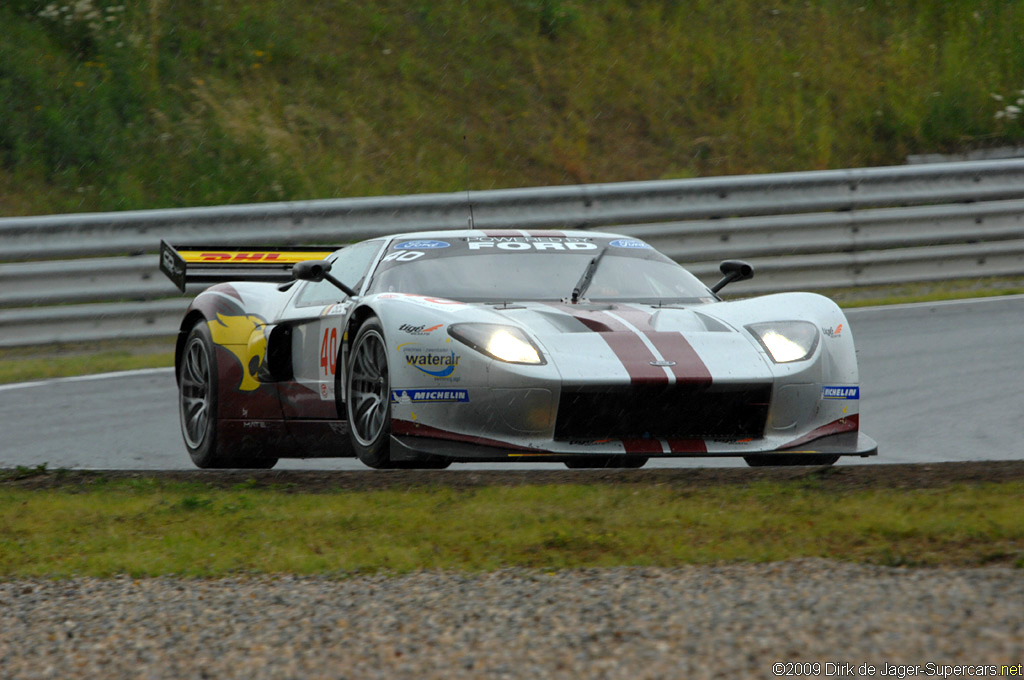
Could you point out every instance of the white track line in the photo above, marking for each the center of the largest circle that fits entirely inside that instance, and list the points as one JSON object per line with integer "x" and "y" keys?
{"x": 84, "y": 378}
{"x": 936, "y": 303}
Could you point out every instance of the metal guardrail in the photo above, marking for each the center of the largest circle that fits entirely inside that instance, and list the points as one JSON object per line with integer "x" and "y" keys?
{"x": 801, "y": 230}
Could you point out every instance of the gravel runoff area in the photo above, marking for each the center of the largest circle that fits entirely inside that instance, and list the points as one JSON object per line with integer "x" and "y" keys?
{"x": 693, "y": 622}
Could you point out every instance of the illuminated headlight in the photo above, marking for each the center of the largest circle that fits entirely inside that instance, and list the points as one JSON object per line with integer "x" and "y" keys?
{"x": 504, "y": 343}
{"x": 786, "y": 341}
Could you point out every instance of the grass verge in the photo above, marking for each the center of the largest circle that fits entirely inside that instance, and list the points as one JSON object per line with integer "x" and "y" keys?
{"x": 149, "y": 527}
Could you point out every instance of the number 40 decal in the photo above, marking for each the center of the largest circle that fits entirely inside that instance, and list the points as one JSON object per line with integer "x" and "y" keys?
{"x": 329, "y": 351}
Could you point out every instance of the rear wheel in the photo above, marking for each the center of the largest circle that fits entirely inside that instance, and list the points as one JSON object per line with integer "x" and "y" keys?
{"x": 607, "y": 462}
{"x": 789, "y": 459}
{"x": 198, "y": 406}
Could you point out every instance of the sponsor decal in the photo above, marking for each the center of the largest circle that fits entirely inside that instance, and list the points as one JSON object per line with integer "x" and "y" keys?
{"x": 337, "y": 309}
{"x": 429, "y": 396}
{"x": 254, "y": 256}
{"x": 840, "y": 392}
{"x": 433, "y": 362}
{"x": 628, "y": 243}
{"x": 170, "y": 264}
{"x": 236, "y": 335}
{"x": 419, "y": 330}
{"x": 518, "y": 243}
{"x": 833, "y": 332}
{"x": 404, "y": 255}
{"x": 421, "y": 245}
{"x": 663, "y": 363}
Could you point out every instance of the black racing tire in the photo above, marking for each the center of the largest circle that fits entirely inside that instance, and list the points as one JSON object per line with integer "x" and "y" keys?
{"x": 779, "y": 460}
{"x": 198, "y": 404}
{"x": 368, "y": 396}
{"x": 606, "y": 462}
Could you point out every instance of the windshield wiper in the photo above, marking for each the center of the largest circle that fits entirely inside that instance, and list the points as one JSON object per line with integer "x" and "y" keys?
{"x": 588, "y": 276}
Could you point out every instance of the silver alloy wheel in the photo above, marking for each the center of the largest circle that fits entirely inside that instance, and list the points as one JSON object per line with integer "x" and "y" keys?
{"x": 195, "y": 392}
{"x": 369, "y": 388}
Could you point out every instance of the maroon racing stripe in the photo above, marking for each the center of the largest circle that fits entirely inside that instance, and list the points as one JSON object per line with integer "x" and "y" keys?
{"x": 687, "y": 446}
{"x": 631, "y": 351}
{"x": 848, "y": 424}
{"x": 688, "y": 368}
{"x": 642, "y": 446}
{"x": 408, "y": 427}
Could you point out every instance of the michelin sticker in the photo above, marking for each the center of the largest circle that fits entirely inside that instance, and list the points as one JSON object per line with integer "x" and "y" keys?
{"x": 422, "y": 245}
{"x": 832, "y": 392}
{"x": 428, "y": 396}
{"x": 628, "y": 243}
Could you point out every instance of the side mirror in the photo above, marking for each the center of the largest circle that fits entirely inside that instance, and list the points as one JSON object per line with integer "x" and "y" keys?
{"x": 319, "y": 270}
{"x": 311, "y": 270}
{"x": 733, "y": 270}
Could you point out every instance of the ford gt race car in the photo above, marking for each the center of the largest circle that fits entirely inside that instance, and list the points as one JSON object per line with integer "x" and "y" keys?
{"x": 417, "y": 350}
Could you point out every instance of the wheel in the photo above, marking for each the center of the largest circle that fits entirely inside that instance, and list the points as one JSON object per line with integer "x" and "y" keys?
{"x": 368, "y": 396}
{"x": 771, "y": 460}
{"x": 198, "y": 404}
{"x": 608, "y": 462}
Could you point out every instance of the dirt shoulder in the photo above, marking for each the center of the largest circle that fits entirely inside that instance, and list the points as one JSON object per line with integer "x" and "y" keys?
{"x": 838, "y": 478}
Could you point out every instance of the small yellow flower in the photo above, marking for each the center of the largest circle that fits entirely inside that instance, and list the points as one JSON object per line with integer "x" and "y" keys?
{"x": 79, "y": 83}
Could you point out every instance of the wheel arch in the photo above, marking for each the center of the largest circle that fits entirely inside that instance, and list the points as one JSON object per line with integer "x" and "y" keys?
{"x": 193, "y": 317}
{"x": 359, "y": 316}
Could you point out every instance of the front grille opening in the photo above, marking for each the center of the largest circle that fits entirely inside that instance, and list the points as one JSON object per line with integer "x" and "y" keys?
{"x": 663, "y": 412}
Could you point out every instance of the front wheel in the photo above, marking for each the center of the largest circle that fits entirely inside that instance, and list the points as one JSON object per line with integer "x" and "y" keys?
{"x": 368, "y": 396}
{"x": 772, "y": 460}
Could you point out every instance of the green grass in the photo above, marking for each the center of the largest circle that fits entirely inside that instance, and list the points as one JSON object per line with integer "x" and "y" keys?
{"x": 43, "y": 363}
{"x": 182, "y": 103}
{"x": 147, "y": 528}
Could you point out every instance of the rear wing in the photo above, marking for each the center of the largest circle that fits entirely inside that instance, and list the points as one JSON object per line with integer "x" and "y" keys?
{"x": 215, "y": 264}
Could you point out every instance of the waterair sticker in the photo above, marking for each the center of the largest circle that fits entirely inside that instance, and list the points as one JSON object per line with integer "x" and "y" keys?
{"x": 422, "y": 245}
{"x": 439, "y": 364}
{"x": 428, "y": 396}
{"x": 628, "y": 243}
{"x": 831, "y": 392}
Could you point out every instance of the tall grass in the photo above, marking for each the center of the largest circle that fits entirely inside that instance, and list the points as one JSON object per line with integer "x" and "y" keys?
{"x": 195, "y": 102}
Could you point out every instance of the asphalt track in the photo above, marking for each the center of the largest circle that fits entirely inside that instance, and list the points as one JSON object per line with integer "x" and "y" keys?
{"x": 940, "y": 382}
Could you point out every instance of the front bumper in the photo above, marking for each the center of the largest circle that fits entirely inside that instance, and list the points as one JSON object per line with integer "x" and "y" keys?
{"x": 410, "y": 441}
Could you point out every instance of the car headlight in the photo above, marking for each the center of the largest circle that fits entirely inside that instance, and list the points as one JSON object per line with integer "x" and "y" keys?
{"x": 786, "y": 341}
{"x": 504, "y": 343}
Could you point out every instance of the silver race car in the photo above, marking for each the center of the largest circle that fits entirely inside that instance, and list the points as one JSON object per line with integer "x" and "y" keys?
{"x": 586, "y": 348}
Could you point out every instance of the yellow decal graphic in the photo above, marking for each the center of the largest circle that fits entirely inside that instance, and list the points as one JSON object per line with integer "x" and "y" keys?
{"x": 242, "y": 336}
{"x": 252, "y": 256}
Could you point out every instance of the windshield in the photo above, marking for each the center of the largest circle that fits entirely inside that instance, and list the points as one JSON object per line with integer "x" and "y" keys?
{"x": 485, "y": 269}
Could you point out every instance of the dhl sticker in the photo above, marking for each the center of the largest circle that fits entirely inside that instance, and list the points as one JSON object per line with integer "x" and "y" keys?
{"x": 252, "y": 257}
